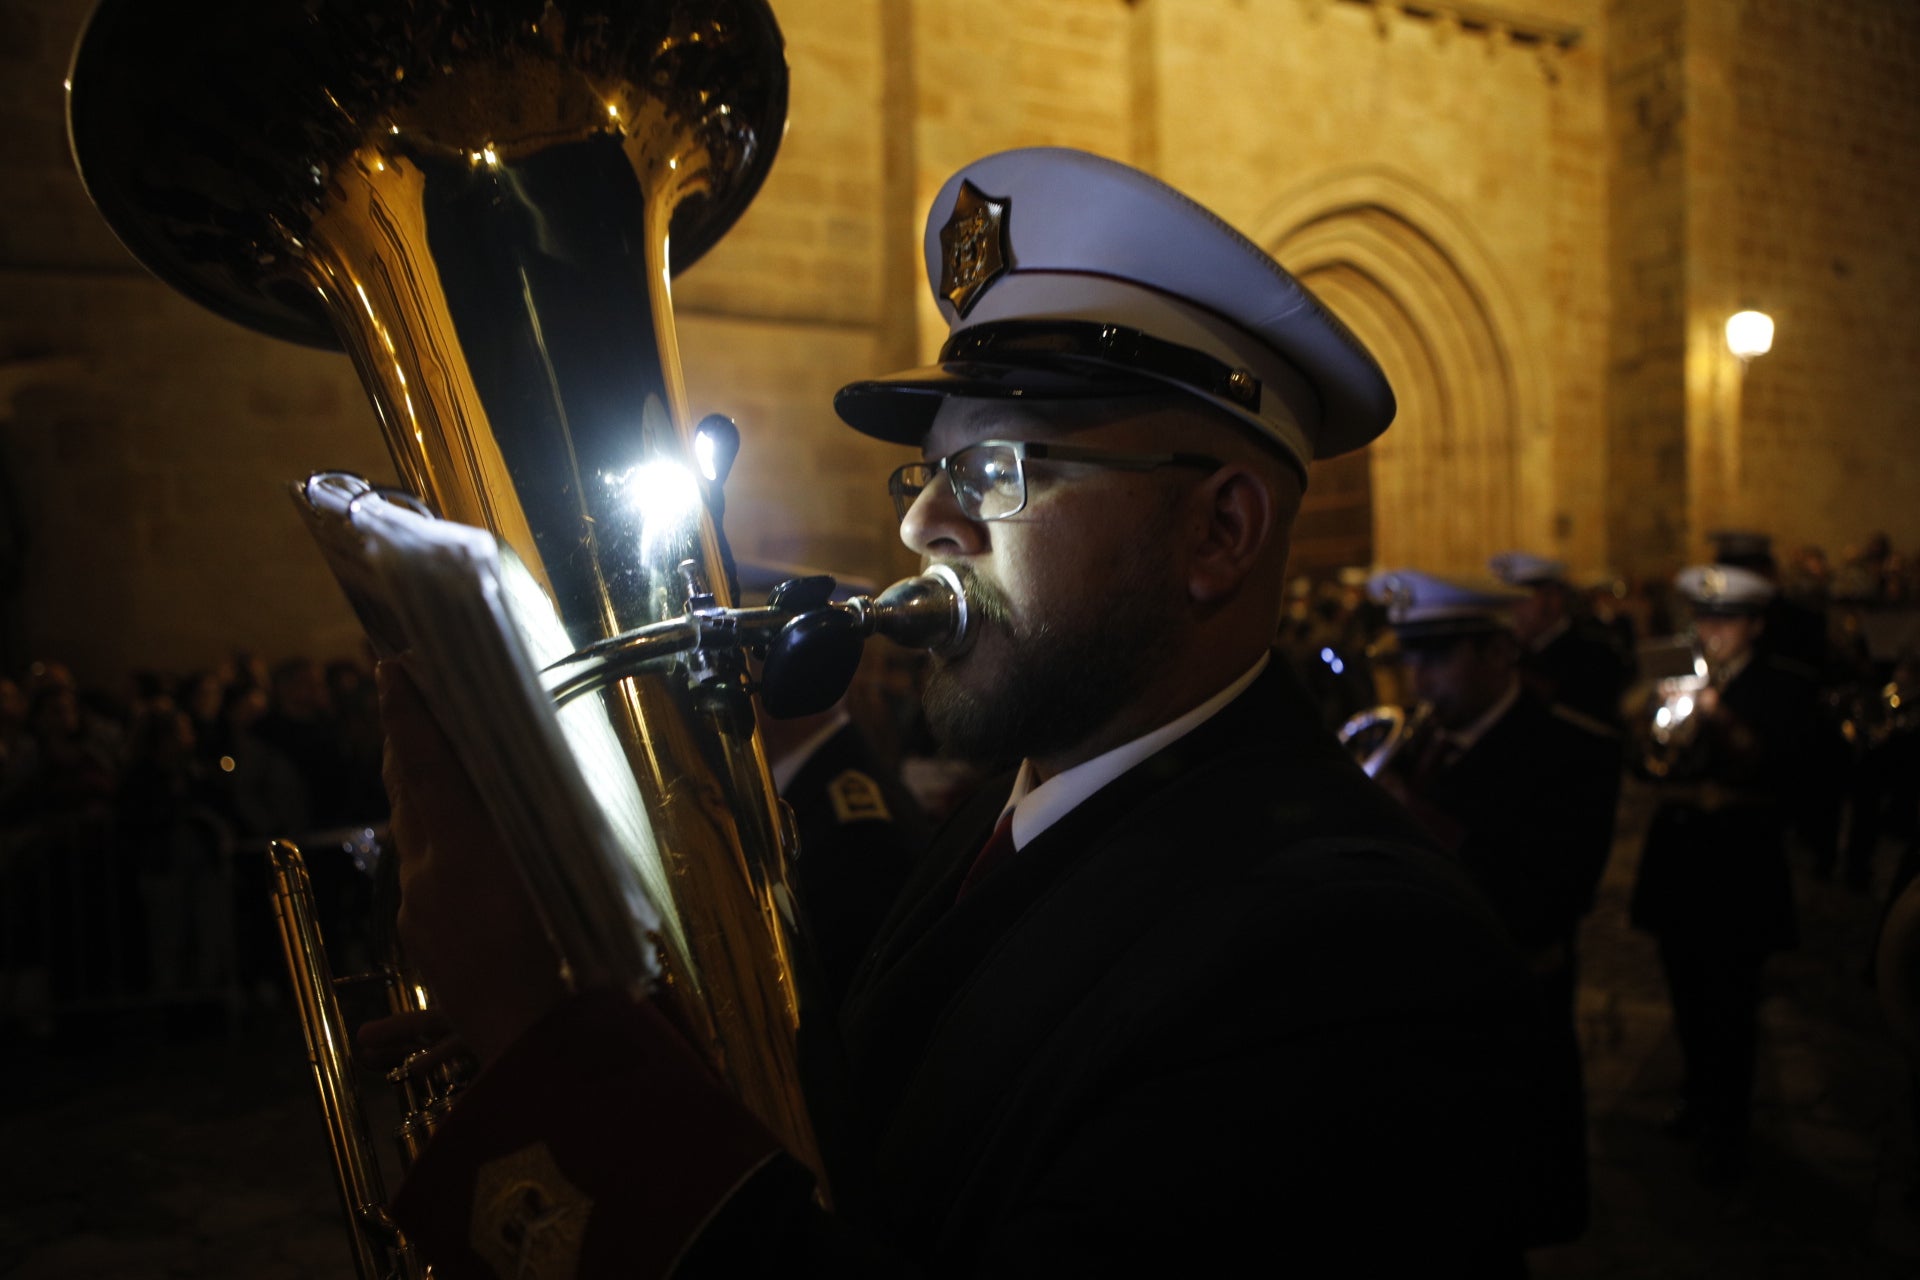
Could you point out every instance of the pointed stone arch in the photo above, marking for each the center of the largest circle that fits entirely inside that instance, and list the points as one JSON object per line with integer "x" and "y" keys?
{"x": 1410, "y": 277}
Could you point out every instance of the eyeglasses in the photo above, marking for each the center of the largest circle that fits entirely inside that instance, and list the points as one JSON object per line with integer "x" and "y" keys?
{"x": 989, "y": 479}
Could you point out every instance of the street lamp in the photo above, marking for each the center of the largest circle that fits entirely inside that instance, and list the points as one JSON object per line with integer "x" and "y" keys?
{"x": 1749, "y": 334}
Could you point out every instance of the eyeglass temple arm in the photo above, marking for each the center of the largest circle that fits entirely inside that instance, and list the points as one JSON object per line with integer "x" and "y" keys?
{"x": 1144, "y": 461}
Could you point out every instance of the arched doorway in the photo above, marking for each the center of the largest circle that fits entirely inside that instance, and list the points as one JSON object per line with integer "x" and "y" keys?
{"x": 1439, "y": 490}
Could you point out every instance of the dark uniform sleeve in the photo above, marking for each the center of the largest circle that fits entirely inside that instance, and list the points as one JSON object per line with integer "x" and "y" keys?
{"x": 860, "y": 837}
{"x": 1539, "y": 856}
{"x": 1531, "y": 818}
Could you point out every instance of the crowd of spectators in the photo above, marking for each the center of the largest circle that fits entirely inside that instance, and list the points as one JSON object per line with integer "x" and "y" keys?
{"x": 134, "y": 826}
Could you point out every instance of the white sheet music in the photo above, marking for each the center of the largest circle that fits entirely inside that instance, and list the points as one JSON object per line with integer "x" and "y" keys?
{"x": 476, "y": 630}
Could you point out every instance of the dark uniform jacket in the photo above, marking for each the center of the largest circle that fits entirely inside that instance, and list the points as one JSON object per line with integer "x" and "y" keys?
{"x": 1231, "y": 1007}
{"x": 1714, "y": 865}
{"x": 1529, "y": 811}
{"x": 1580, "y": 668}
{"x": 860, "y": 834}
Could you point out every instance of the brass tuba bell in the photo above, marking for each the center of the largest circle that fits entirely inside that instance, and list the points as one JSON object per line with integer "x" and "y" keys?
{"x": 481, "y": 202}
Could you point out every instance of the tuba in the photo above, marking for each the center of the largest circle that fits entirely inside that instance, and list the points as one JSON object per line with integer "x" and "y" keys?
{"x": 482, "y": 203}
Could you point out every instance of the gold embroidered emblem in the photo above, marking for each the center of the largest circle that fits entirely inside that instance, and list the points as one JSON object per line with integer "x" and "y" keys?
{"x": 973, "y": 247}
{"x": 856, "y": 798}
{"x": 528, "y": 1220}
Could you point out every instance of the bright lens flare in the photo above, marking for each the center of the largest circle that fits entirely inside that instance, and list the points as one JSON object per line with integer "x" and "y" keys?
{"x": 666, "y": 498}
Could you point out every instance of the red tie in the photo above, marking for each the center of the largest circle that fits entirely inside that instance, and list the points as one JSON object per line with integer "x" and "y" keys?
{"x": 998, "y": 846}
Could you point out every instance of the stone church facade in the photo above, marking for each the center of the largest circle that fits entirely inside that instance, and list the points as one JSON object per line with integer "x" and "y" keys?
{"x": 1538, "y": 214}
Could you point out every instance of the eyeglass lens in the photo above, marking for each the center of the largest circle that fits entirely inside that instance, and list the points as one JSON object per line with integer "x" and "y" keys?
{"x": 987, "y": 480}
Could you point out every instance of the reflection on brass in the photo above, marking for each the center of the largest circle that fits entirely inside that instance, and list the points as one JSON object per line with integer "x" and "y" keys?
{"x": 1374, "y": 737}
{"x": 379, "y": 1250}
{"x": 481, "y": 203}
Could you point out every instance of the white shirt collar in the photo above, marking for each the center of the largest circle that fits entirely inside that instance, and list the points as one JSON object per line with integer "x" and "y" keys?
{"x": 1035, "y": 808}
{"x": 1465, "y": 738}
{"x": 791, "y": 762}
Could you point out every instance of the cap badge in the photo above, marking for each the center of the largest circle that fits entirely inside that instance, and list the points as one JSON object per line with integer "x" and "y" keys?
{"x": 1713, "y": 584}
{"x": 973, "y": 247}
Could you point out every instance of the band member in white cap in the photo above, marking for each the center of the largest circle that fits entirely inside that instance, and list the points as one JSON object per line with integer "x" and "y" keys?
{"x": 1565, "y": 657}
{"x": 1714, "y": 887}
{"x": 1521, "y": 791}
{"x": 1206, "y": 995}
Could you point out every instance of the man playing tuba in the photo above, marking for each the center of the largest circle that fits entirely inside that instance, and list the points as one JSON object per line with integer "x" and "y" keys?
{"x": 1183, "y": 988}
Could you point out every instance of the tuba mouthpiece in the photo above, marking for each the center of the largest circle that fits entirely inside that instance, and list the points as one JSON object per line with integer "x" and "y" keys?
{"x": 927, "y": 612}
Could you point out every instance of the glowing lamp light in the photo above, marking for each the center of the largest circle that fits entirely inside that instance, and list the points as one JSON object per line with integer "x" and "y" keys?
{"x": 716, "y": 443}
{"x": 1750, "y": 334}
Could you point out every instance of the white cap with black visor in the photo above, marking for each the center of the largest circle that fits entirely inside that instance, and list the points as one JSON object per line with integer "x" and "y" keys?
{"x": 1064, "y": 275}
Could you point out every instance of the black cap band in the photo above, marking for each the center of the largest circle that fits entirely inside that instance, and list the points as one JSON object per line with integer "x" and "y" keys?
{"x": 1079, "y": 342}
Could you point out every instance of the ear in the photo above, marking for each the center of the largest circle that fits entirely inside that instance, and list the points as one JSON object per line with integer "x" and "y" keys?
{"x": 1236, "y": 513}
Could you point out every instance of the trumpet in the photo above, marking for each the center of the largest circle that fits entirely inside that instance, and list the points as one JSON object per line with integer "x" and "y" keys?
{"x": 1668, "y": 726}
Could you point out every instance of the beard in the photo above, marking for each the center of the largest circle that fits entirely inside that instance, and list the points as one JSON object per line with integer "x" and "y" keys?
{"x": 1034, "y": 688}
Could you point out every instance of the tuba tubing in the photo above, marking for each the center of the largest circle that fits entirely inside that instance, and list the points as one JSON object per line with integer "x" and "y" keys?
{"x": 380, "y": 1250}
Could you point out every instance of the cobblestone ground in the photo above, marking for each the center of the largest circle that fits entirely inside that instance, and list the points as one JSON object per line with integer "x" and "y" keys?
{"x": 149, "y": 1154}
{"x": 156, "y": 1152}
{"x": 1829, "y": 1193}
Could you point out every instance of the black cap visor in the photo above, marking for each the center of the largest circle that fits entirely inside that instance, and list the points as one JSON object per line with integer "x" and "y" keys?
{"x": 1443, "y": 633}
{"x": 900, "y": 407}
{"x": 1042, "y": 360}
{"x": 1728, "y": 609}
